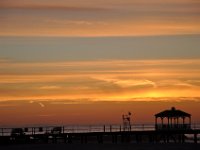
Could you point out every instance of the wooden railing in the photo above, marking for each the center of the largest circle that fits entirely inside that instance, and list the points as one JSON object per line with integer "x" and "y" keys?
{"x": 90, "y": 128}
{"x": 172, "y": 126}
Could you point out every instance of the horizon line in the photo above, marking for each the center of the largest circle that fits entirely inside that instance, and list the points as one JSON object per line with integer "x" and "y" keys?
{"x": 98, "y": 36}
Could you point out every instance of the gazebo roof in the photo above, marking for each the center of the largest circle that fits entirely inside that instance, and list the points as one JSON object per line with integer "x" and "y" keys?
{"x": 173, "y": 112}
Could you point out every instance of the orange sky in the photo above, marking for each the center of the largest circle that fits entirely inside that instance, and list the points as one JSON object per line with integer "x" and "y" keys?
{"x": 76, "y": 92}
{"x": 23, "y": 113}
{"x": 89, "y": 61}
{"x": 99, "y": 18}
{"x": 106, "y": 79}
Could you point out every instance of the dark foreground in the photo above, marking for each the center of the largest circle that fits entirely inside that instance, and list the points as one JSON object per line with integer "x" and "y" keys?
{"x": 143, "y": 146}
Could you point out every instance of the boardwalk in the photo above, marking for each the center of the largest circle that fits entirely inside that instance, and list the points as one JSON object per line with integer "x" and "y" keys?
{"x": 97, "y": 134}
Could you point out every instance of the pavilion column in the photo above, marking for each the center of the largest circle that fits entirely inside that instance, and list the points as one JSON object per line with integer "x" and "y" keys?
{"x": 168, "y": 121}
{"x": 183, "y": 120}
{"x": 155, "y": 120}
{"x": 162, "y": 122}
{"x": 156, "y": 123}
{"x": 171, "y": 122}
{"x": 177, "y": 123}
{"x": 190, "y": 122}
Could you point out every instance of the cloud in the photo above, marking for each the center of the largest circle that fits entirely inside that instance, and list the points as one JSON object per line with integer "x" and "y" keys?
{"x": 105, "y": 79}
{"x": 31, "y": 101}
{"x": 8, "y": 105}
{"x": 125, "y": 83}
{"x": 4, "y": 60}
{"x": 193, "y": 82}
{"x": 76, "y": 22}
{"x": 41, "y": 104}
{"x": 43, "y": 6}
{"x": 46, "y": 115}
{"x": 122, "y": 18}
{"x": 50, "y": 87}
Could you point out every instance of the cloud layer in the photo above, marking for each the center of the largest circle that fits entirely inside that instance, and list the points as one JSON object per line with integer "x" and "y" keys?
{"x": 116, "y": 17}
{"x": 104, "y": 80}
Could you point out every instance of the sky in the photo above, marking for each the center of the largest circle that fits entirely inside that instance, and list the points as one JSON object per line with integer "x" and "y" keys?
{"x": 99, "y": 18}
{"x": 96, "y": 60}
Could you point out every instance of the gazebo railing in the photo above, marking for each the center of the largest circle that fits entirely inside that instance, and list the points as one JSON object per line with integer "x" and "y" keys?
{"x": 173, "y": 126}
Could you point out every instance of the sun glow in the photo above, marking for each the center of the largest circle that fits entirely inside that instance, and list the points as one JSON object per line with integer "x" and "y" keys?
{"x": 105, "y": 80}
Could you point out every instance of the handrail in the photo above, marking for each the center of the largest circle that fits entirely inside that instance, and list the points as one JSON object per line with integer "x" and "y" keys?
{"x": 85, "y": 129}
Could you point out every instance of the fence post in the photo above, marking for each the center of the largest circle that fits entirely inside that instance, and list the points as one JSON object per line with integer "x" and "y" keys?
{"x": 46, "y": 130}
{"x": 32, "y": 131}
{"x": 110, "y": 128}
{"x": 195, "y": 138}
{"x": 2, "y": 131}
{"x": 104, "y": 128}
{"x": 63, "y": 129}
{"x": 89, "y": 128}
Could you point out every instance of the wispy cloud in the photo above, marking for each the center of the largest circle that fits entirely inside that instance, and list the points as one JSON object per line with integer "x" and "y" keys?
{"x": 111, "y": 79}
{"x": 8, "y": 105}
{"x": 47, "y": 6}
{"x": 4, "y": 60}
{"x": 76, "y": 22}
{"x": 122, "y": 18}
{"x": 41, "y": 104}
{"x": 46, "y": 115}
{"x": 52, "y": 87}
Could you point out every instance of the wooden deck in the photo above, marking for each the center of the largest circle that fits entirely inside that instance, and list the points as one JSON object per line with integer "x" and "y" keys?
{"x": 107, "y": 134}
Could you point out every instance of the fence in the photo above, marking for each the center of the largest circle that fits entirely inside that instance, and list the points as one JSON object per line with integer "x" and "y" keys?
{"x": 81, "y": 129}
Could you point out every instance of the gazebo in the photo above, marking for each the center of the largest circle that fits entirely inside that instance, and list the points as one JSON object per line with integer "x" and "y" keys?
{"x": 173, "y": 119}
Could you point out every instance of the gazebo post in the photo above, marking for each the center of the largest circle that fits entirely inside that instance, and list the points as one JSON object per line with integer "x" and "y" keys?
{"x": 175, "y": 122}
{"x": 171, "y": 122}
{"x": 168, "y": 122}
{"x": 156, "y": 122}
{"x": 190, "y": 122}
{"x": 183, "y": 122}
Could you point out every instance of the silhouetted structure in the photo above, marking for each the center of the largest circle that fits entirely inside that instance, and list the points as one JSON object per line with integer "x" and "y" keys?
{"x": 127, "y": 122}
{"x": 56, "y": 130}
{"x": 173, "y": 120}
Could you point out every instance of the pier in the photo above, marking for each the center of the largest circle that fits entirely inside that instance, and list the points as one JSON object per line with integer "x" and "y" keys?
{"x": 170, "y": 130}
{"x": 97, "y": 134}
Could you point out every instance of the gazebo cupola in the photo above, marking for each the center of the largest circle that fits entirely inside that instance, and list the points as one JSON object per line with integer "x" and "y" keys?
{"x": 172, "y": 119}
